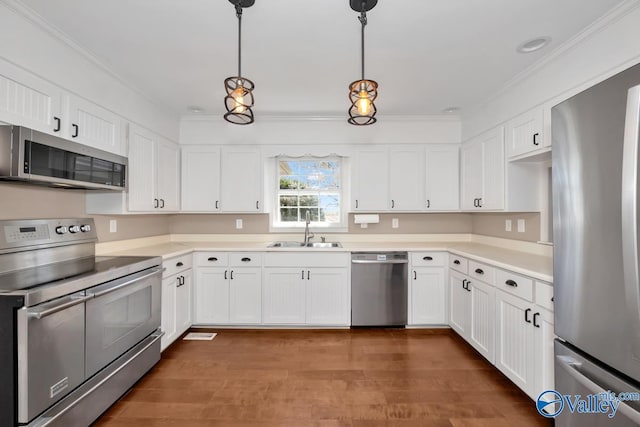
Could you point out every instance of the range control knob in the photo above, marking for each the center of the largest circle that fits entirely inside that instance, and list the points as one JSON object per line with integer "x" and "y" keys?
{"x": 74, "y": 229}
{"x": 85, "y": 228}
{"x": 62, "y": 229}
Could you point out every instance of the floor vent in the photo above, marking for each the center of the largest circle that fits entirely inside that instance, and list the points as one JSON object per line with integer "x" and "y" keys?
{"x": 200, "y": 336}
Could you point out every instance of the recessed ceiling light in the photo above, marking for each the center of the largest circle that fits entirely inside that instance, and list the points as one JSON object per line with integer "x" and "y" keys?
{"x": 451, "y": 110}
{"x": 533, "y": 44}
{"x": 195, "y": 109}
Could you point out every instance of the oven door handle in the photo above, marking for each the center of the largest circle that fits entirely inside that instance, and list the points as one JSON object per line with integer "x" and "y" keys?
{"x": 52, "y": 310}
{"x": 154, "y": 271}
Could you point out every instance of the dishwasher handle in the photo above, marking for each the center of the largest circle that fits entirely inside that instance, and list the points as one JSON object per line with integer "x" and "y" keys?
{"x": 375, "y": 261}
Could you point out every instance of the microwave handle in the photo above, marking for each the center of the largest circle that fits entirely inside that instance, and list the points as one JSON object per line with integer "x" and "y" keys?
{"x": 115, "y": 287}
{"x": 63, "y": 306}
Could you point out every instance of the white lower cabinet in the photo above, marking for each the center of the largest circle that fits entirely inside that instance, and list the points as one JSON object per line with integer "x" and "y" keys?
{"x": 176, "y": 298}
{"x": 306, "y": 289}
{"x": 228, "y": 289}
{"x": 427, "y": 289}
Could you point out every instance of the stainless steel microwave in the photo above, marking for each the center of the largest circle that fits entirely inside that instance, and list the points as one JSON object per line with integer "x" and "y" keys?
{"x": 35, "y": 157}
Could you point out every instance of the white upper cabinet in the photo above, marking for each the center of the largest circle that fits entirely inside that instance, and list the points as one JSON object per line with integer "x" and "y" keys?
{"x": 200, "y": 178}
{"x": 27, "y": 100}
{"x": 92, "y": 125}
{"x": 226, "y": 179}
{"x": 524, "y": 133}
{"x": 482, "y": 170}
{"x": 389, "y": 179}
{"x": 241, "y": 179}
{"x": 168, "y": 175}
{"x": 442, "y": 184}
{"x": 370, "y": 180}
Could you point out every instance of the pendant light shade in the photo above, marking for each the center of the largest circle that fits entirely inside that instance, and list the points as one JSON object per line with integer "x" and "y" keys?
{"x": 363, "y": 92}
{"x": 239, "y": 99}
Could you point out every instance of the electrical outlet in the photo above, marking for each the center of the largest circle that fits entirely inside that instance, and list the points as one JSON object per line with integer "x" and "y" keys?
{"x": 521, "y": 226}
{"x": 238, "y": 223}
{"x": 113, "y": 225}
{"x": 395, "y": 223}
{"x": 507, "y": 225}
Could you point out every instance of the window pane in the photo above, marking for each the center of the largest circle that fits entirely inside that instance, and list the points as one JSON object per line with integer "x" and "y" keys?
{"x": 313, "y": 214}
{"x": 289, "y": 214}
{"x": 308, "y": 200}
{"x": 288, "y": 200}
{"x": 288, "y": 183}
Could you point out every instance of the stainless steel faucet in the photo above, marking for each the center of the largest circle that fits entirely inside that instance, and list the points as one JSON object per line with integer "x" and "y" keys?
{"x": 307, "y": 235}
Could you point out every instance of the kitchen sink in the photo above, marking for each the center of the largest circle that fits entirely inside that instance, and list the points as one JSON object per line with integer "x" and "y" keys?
{"x": 302, "y": 245}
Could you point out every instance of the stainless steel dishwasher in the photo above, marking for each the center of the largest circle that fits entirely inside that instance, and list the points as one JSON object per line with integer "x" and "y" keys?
{"x": 379, "y": 288}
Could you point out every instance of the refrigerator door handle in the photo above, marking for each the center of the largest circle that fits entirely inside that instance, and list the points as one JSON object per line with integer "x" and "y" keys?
{"x": 577, "y": 371}
{"x": 630, "y": 213}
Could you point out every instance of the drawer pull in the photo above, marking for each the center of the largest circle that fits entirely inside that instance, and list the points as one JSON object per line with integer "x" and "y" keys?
{"x": 246, "y": 259}
{"x": 479, "y": 271}
{"x": 212, "y": 259}
{"x": 179, "y": 264}
{"x": 427, "y": 258}
{"x": 511, "y": 283}
{"x": 456, "y": 262}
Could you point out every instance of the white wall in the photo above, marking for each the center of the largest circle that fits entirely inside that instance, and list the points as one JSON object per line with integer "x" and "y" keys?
{"x": 33, "y": 46}
{"x": 607, "y": 47}
{"x": 311, "y": 131}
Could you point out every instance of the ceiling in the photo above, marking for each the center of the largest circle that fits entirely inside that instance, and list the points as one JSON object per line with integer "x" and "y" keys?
{"x": 426, "y": 55}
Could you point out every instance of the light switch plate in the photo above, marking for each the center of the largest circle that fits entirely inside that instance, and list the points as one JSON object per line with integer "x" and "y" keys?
{"x": 395, "y": 223}
{"x": 521, "y": 226}
{"x": 238, "y": 223}
{"x": 113, "y": 225}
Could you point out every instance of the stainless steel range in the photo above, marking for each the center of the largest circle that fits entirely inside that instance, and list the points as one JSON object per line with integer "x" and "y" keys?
{"x": 76, "y": 330}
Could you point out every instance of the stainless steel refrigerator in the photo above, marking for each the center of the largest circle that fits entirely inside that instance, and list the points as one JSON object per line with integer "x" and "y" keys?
{"x": 595, "y": 228}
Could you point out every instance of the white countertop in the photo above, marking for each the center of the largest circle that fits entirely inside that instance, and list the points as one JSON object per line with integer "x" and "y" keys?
{"x": 537, "y": 266}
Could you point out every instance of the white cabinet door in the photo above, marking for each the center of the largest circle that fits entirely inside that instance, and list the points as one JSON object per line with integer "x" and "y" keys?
{"x": 514, "y": 339}
{"x": 284, "y": 296}
{"x": 543, "y": 352}
{"x": 493, "y": 171}
{"x": 481, "y": 330}
{"x": 168, "y": 175}
{"x": 459, "y": 304}
{"x": 472, "y": 155}
{"x": 211, "y": 296}
{"x": 142, "y": 186}
{"x": 92, "y": 125}
{"x": 525, "y": 133}
{"x": 427, "y": 296}
{"x": 168, "y": 317}
{"x": 371, "y": 180}
{"x": 200, "y": 178}
{"x": 245, "y": 296}
{"x": 183, "y": 301}
{"x": 442, "y": 183}
{"x": 406, "y": 179}
{"x": 241, "y": 180}
{"x": 27, "y": 100}
{"x": 328, "y": 297}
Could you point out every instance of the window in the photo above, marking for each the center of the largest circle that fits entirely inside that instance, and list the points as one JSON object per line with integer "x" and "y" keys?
{"x": 309, "y": 185}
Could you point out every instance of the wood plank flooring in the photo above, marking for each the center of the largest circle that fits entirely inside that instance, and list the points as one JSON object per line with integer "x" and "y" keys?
{"x": 324, "y": 378}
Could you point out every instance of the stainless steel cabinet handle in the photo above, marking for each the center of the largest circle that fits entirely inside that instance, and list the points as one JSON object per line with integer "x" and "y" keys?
{"x": 52, "y": 310}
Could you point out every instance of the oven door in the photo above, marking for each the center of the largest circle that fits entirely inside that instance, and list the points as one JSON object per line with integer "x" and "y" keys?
{"x": 121, "y": 314}
{"x": 50, "y": 353}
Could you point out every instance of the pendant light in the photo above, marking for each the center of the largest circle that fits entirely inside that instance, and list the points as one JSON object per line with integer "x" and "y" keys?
{"x": 239, "y": 99}
{"x": 363, "y": 92}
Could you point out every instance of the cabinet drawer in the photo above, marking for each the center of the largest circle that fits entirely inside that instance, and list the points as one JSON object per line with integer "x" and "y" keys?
{"x": 544, "y": 295}
{"x": 515, "y": 284}
{"x": 458, "y": 263}
{"x": 245, "y": 259}
{"x": 428, "y": 259}
{"x": 211, "y": 259}
{"x": 296, "y": 259}
{"x": 482, "y": 272}
{"x": 177, "y": 264}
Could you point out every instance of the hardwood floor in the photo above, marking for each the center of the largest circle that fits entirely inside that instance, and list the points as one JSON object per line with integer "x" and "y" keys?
{"x": 324, "y": 378}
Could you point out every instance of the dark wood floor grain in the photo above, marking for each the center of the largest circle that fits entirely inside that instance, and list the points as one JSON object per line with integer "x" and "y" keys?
{"x": 324, "y": 378}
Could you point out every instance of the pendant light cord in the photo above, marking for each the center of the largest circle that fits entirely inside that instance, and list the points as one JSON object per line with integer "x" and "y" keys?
{"x": 239, "y": 15}
{"x": 363, "y": 21}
